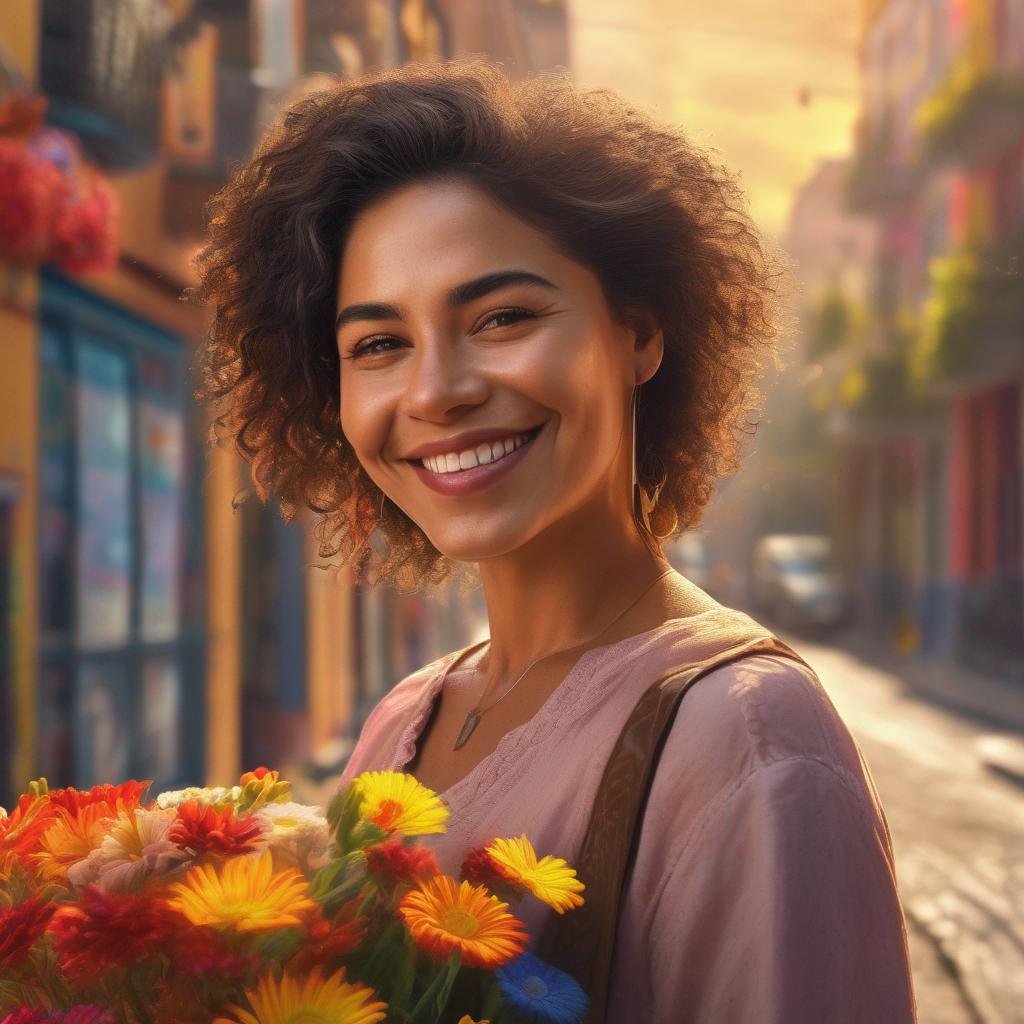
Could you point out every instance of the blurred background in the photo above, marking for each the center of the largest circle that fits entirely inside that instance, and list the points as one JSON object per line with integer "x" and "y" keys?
{"x": 158, "y": 621}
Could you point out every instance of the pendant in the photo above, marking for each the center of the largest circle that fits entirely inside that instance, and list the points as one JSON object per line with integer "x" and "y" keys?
{"x": 472, "y": 719}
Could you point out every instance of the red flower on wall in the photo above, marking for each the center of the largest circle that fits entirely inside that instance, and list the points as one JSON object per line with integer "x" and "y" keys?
{"x": 53, "y": 208}
{"x": 30, "y": 197}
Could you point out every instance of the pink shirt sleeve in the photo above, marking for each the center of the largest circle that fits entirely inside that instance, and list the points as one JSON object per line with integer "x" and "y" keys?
{"x": 782, "y": 907}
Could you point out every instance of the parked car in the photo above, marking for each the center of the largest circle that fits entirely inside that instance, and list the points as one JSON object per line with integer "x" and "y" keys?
{"x": 796, "y": 582}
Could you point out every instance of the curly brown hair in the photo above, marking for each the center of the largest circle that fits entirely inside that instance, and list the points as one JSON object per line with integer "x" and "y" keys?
{"x": 664, "y": 229}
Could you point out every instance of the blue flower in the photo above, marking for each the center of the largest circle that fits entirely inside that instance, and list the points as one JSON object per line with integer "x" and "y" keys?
{"x": 544, "y": 993}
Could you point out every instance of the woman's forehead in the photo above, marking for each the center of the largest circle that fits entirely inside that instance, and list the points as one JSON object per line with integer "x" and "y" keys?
{"x": 436, "y": 235}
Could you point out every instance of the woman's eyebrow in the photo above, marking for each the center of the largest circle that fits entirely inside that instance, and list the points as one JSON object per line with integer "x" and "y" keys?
{"x": 468, "y": 291}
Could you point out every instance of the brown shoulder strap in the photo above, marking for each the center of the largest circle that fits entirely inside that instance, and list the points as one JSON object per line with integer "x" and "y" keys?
{"x": 582, "y": 941}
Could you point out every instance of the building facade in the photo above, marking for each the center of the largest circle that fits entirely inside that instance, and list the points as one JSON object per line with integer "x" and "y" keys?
{"x": 928, "y": 416}
{"x": 157, "y": 622}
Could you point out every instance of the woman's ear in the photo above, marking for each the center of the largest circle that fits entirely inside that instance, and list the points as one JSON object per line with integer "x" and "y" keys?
{"x": 648, "y": 346}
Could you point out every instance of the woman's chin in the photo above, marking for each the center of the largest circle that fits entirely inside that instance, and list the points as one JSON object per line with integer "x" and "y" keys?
{"x": 474, "y": 540}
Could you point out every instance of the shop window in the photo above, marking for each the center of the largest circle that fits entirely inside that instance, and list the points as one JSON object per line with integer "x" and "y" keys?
{"x": 120, "y": 655}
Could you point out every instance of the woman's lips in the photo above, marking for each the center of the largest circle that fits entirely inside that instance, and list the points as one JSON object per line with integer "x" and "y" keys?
{"x": 466, "y": 481}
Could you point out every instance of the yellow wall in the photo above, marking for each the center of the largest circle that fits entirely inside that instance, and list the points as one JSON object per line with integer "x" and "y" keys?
{"x": 19, "y": 32}
{"x": 19, "y": 437}
{"x": 331, "y": 664}
{"x": 19, "y": 442}
{"x": 224, "y": 655}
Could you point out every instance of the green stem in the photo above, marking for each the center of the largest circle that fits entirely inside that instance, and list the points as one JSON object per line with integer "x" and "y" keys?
{"x": 493, "y": 1001}
{"x": 437, "y": 991}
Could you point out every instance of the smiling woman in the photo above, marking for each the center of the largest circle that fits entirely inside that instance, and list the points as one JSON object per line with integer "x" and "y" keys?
{"x": 575, "y": 184}
{"x": 437, "y": 295}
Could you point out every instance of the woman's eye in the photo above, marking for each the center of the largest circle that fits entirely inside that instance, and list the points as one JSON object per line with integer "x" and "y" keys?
{"x": 515, "y": 313}
{"x": 370, "y": 345}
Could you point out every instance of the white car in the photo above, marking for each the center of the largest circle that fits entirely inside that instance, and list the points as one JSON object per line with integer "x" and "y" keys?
{"x": 796, "y": 581}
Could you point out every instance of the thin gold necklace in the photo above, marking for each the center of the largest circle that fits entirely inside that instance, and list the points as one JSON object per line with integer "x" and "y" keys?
{"x": 474, "y": 716}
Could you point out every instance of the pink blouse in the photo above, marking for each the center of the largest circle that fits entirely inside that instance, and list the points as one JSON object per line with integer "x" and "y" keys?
{"x": 764, "y": 889}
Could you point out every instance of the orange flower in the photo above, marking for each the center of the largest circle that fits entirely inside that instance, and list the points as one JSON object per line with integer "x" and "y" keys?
{"x": 22, "y": 830}
{"x": 444, "y": 915}
{"x": 71, "y": 838}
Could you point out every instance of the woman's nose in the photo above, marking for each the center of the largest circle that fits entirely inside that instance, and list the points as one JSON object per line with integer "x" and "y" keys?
{"x": 442, "y": 376}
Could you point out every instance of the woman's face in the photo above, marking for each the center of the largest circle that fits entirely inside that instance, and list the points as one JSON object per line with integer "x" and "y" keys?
{"x": 461, "y": 325}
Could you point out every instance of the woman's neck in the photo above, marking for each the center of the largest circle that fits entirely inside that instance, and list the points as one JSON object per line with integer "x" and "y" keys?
{"x": 568, "y": 584}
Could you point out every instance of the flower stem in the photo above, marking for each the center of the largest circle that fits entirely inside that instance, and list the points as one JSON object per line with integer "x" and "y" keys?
{"x": 437, "y": 992}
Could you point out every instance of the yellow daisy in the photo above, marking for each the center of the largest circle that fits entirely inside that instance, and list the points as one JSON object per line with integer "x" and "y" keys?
{"x": 550, "y": 879}
{"x": 466, "y": 1019}
{"x": 444, "y": 915}
{"x": 244, "y": 893}
{"x": 314, "y": 1000}
{"x": 397, "y": 802}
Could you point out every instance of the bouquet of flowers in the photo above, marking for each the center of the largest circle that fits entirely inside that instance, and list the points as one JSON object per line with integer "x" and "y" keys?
{"x": 239, "y": 906}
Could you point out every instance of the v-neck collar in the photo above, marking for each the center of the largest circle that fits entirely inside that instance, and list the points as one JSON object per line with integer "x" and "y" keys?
{"x": 523, "y": 735}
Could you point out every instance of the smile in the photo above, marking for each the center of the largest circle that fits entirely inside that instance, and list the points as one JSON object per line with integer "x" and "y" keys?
{"x": 463, "y": 472}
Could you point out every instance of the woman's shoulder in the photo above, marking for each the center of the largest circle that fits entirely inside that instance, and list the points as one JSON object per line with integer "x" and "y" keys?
{"x": 759, "y": 736}
{"x": 746, "y": 716}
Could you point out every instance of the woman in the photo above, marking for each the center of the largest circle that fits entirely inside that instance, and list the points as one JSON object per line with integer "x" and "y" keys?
{"x": 438, "y": 296}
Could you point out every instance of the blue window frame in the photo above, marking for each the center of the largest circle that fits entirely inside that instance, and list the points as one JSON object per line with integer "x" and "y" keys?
{"x": 121, "y": 689}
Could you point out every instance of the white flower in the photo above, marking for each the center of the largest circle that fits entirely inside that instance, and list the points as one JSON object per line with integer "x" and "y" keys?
{"x": 206, "y": 795}
{"x": 135, "y": 848}
{"x": 298, "y": 832}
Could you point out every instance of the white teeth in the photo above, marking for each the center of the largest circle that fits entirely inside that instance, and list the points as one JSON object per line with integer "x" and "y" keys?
{"x": 453, "y": 462}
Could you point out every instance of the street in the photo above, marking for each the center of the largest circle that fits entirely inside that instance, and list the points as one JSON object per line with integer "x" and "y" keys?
{"x": 958, "y": 835}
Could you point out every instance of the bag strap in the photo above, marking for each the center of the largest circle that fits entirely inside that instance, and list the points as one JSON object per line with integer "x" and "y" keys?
{"x": 582, "y": 942}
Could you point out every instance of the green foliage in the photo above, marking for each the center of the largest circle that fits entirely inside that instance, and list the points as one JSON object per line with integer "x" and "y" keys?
{"x": 976, "y": 292}
{"x": 949, "y": 116}
{"x": 831, "y": 324}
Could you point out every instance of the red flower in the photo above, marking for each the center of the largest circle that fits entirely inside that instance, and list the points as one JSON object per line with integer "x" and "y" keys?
{"x": 31, "y": 191}
{"x": 20, "y": 926}
{"x": 76, "y": 1015}
{"x": 124, "y": 796}
{"x": 328, "y": 940}
{"x": 84, "y": 231}
{"x": 481, "y": 869}
{"x": 395, "y": 861}
{"x": 202, "y": 950}
{"x": 255, "y": 775}
{"x": 214, "y": 830}
{"x": 23, "y": 1015}
{"x": 81, "y": 1015}
{"x": 105, "y": 930}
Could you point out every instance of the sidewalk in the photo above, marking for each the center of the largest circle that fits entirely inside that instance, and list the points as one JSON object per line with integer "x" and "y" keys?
{"x": 997, "y": 702}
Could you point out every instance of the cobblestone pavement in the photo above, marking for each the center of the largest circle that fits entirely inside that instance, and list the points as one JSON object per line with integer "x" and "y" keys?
{"x": 958, "y": 836}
